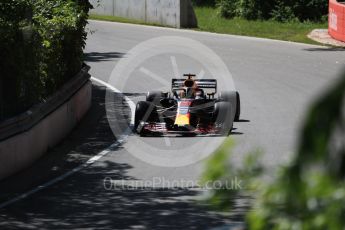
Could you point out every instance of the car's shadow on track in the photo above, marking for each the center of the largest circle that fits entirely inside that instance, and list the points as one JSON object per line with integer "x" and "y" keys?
{"x": 323, "y": 49}
{"x": 232, "y": 132}
{"x": 243, "y": 121}
{"x": 189, "y": 136}
{"x": 101, "y": 57}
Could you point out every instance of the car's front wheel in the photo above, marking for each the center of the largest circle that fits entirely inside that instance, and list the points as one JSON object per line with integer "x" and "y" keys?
{"x": 144, "y": 111}
{"x": 234, "y": 98}
{"x": 222, "y": 117}
{"x": 154, "y": 96}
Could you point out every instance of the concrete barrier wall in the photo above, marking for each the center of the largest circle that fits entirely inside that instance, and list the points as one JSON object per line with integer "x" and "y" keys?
{"x": 336, "y": 20}
{"x": 134, "y": 9}
{"x": 20, "y": 150}
{"x": 174, "y": 13}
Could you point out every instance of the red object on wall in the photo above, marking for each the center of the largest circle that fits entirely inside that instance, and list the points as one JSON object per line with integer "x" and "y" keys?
{"x": 336, "y": 20}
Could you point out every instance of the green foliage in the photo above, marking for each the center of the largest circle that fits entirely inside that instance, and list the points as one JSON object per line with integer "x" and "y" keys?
{"x": 250, "y": 9}
{"x": 308, "y": 193}
{"x": 228, "y": 9}
{"x": 204, "y": 2}
{"x": 41, "y": 42}
{"x": 247, "y": 9}
{"x": 312, "y": 10}
{"x": 281, "y": 10}
{"x": 220, "y": 168}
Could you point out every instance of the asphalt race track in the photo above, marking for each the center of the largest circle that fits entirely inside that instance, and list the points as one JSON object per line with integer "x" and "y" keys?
{"x": 277, "y": 81}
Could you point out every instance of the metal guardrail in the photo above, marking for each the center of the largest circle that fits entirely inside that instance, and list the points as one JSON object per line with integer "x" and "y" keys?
{"x": 35, "y": 114}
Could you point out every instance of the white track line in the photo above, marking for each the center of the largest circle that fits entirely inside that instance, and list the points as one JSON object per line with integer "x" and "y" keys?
{"x": 129, "y": 101}
{"x": 92, "y": 160}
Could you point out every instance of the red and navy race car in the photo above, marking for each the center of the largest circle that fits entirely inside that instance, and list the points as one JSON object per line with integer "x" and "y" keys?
{"x": 191, "y": 108}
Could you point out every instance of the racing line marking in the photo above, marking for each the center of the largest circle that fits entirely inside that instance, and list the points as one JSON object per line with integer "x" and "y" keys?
{"x": 92, "y": 160}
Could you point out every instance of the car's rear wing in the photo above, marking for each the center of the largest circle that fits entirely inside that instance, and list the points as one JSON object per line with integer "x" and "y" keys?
{"x": 201, "y": 83}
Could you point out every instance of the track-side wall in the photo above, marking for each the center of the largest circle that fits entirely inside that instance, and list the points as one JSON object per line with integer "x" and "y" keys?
{"x": 173, "y": 13}
{"x": 25, "y": 138}
{"x": 336, "y": 20}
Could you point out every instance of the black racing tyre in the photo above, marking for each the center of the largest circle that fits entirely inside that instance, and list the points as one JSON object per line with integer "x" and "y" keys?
{"x": 234, "y": 98}
{"x": 238, "y": 106}
{"x": 222, "y": 117}
{"x": 154, "y": 96}
{"x": 144, "y": 111}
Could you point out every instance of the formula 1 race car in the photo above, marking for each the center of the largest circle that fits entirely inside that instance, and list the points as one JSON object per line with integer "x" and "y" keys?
{"x": 190, "y": 109}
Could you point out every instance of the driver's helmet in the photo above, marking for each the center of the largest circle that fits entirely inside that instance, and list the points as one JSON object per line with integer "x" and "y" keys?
{"x": 190, "y": 86}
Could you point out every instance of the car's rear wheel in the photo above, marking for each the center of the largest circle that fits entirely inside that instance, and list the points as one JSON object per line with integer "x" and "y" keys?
{"x": 222, "y": 117}
{"x": 144, "y": 111}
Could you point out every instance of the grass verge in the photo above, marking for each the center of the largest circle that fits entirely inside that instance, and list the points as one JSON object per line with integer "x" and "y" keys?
{"x": 119, "y": 19}
{"x": 208, "y": 20}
